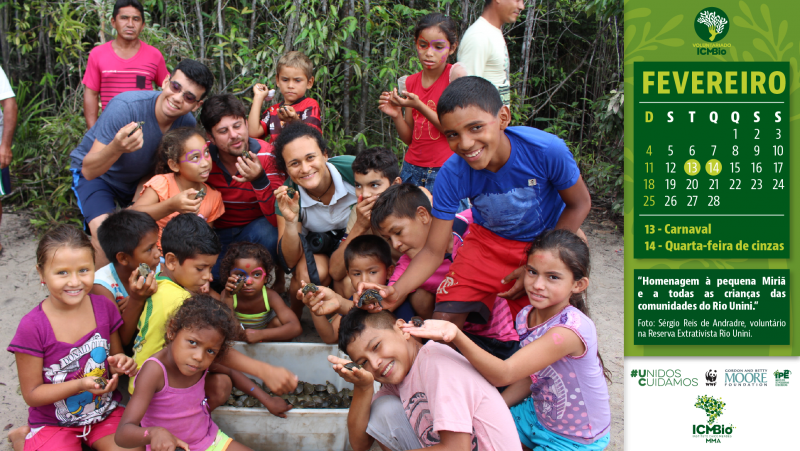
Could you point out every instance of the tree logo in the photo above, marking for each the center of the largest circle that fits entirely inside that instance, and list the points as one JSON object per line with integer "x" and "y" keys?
{"x": 711, "y": 24}
{"x": 710, "y": 432}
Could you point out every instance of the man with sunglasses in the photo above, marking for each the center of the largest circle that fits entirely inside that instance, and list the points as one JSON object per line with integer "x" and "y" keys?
{"x": 120, "y": 149}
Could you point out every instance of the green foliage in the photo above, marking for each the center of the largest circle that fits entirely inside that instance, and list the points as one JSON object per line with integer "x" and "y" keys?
{"x": 563, "y": 83}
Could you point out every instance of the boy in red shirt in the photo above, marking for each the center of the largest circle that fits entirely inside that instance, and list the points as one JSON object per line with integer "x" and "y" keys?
{"x": 295, "y": 77}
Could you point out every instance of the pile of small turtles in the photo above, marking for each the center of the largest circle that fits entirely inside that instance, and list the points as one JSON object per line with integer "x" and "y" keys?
{"x": 305, "y": 396}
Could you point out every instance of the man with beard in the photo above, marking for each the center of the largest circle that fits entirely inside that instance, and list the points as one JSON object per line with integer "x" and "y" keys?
{"x": 244, "y": 172}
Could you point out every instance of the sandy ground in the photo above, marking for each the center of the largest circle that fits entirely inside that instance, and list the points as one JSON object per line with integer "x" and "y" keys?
{"x": 20, "y": 292}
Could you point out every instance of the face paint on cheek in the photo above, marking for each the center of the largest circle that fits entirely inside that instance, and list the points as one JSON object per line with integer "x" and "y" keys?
{"x": 557, "y": 339}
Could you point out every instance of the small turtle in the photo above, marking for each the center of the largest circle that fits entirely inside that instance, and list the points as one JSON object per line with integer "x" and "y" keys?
{"x": 292, "y": 400}
{"x": 144, "y": 270}
{"x": 369, "y": 297}
{"x": 417, "y": 321}
{"x": 299, "y": 390}
{"x": 330, "y": 388}
{"x": 236, "y": 392}
{"x": 320, "y": 388}
{"x": 250, "y": 402}
{"x": 291, "y": 192}
{"x": 240, "y": 280}
{"x": 138, "y": 126}
{"x": 308, "y": 388}
{"x": 351, "y": 366}
{"x": 310, "y": 288}
{"x": 246, "y": 154}
{"x": 201, "y": 194}
{"x": 101, "y": 382}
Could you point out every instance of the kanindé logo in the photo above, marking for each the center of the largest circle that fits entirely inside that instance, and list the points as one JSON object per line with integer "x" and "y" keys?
{"x": 711, "y": 378}
{"x": 711, "y": 24}
{"x": 663, "y": 378}
{"x": 737, "y": 377}
{"x": 713, "y": 408}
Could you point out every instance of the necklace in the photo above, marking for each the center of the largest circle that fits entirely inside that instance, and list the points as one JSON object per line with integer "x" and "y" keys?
{"x": 319, "y": 199}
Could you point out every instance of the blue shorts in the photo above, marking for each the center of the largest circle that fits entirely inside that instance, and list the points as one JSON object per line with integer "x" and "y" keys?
{"x": 538, "y": 438}
{"x": 5, "y": 181}
{"x": 425, "y": 178}
{"x": 96, "y": 197}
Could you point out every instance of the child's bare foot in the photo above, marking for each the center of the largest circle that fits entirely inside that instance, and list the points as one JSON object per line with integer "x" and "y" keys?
{"x": 17, "y": 437}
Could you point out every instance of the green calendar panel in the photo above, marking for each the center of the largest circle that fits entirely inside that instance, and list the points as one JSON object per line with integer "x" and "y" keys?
{"x": 711, "y": 160}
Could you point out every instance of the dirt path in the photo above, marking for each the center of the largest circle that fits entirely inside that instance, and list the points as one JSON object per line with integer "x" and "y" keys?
{"x": 20, "y": 292}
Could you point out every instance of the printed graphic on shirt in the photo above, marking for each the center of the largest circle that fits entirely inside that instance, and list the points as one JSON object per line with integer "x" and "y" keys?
{"x": 549, "y": 395}
{"x": 423, "y": 126}
{"x": 419, "y": 415}
{"x": 504, "y": 212}
{"x": 83, "y": 408}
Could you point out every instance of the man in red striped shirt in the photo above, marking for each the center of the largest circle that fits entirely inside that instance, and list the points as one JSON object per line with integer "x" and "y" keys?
{"x": 245, "y": 182}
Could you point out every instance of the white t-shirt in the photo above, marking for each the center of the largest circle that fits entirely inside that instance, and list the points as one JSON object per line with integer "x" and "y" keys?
{"x": 318, "y": 217}
{"x": 483, "y": 53}
{"x": 5, "y": 93}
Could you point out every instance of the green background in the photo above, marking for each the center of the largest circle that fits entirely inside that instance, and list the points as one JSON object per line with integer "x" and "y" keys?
{"x": 693, "y": 140}
{"x": 664, "y": 31}
{"x": 765, "y": 307}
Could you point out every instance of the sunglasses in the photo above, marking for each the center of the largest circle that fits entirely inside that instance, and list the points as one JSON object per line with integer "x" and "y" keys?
{"x": 177, "y": 89}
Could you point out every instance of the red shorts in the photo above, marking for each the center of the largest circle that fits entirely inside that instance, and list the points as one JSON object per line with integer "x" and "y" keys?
{"x": 55, "y": 438}
{"x": 476, "y": 275}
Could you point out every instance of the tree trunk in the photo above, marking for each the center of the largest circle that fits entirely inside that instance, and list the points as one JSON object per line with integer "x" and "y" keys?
{"x": 288, "y": 40}
{"x": 527, "y": 43}
{"x": 222, "y": 82}
{"x": 252, "y": 26}
{"x": 3, "y": 38}
{"x": 362, "y": 120}
{"x": 464, "y": 17}
{"x": 201, "y": 32}
{"x": 346, "y": 85}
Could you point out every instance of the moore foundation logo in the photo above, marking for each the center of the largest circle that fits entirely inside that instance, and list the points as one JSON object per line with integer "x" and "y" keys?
{"x": 781, "y": 378}
{"x": 711, "y": 431}
{"x": 663, "y": 378}
{"x": 711, "y": 378}
{"x": 711, "y": 24}
{"x": 746, "y": 378}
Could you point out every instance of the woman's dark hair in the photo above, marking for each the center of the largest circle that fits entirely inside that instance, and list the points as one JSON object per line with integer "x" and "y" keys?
{"x": 574, "y": 252}
{"x": 201, "y": 311}
{"x": 172, "y": 147}
{"x": 61, "y": 236}
{"x": 294, "y": 131}
{"x": 245, "y": 249}
{"x": 219, "y": 106}
{"x": 445, "y": 24}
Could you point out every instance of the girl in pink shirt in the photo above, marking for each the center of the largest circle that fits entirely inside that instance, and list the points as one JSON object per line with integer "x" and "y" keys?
{"x": 183, "y": 166}
{"x": 168, "y": 408}
{"x": 69, "y": 353}
{"x": 557, "y": 390}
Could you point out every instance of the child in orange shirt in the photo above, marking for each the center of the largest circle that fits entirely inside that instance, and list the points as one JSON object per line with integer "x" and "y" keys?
{"x": 183, "y": 166}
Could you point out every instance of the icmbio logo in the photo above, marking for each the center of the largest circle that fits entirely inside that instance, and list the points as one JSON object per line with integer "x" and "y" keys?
{"x": 711, "y": 432}
{"x": 711, "y": 24}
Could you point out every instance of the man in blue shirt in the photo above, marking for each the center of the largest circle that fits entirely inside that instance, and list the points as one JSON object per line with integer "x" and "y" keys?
{"x": 116, "y": 153}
